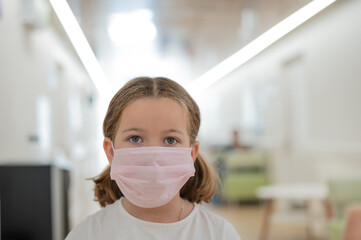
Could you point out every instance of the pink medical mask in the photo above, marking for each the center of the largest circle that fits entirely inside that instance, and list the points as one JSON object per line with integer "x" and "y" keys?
{"x": 150, "y": 177}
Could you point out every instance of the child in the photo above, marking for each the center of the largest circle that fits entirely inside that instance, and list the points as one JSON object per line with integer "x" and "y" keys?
{"x": 156, "y": 177}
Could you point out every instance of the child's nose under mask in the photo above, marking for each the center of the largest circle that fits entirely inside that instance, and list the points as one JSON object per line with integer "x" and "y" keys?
{"x": 151, "y": 176}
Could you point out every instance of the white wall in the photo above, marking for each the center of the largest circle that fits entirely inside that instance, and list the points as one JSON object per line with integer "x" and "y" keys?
{"x": 307, "y": 88}
{"x": 45, "y": 93}
{"x": 37, "y": 71}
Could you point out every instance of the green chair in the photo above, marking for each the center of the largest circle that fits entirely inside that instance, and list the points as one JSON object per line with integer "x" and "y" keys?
{"x": 335, "y": 228}
{"x": 244, "y": 172}
{"x": 343, "y": 192}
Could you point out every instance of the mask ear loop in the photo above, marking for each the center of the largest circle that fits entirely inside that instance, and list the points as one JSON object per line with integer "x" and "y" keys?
{"x": 112, "y": 146}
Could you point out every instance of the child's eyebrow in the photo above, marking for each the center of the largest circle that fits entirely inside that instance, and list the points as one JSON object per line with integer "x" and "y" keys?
{"x": 133, "y": 129}
{"x": 174, "y": 130}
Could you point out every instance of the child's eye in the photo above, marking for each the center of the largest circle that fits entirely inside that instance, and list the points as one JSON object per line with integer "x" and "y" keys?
{"x": 171, "y": 140}
{"x": 135, "y": 139}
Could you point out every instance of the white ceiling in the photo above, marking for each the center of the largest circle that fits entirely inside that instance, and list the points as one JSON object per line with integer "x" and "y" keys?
{"x": 192, "y": 35}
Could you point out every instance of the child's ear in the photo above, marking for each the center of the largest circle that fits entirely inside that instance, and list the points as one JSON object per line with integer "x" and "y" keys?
{"x": 108, "y": 149}
{"x": 195, "y": 149}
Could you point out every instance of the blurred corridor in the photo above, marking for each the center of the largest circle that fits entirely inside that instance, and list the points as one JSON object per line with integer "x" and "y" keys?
{"x": 281, "y": 128}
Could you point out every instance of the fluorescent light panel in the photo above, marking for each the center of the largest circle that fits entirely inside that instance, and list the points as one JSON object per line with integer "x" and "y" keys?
{"x": 81, "y": 45}
{"x": 132, "y": 28}
{"x": 258, "y": 45}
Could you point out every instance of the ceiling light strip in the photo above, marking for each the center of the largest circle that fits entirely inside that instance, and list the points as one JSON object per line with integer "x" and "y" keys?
{"x": 81, "y": 45}
{"x": 258, "y": 45}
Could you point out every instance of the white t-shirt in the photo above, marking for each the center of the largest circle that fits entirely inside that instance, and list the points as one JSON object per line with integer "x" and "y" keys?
{"x": 114, "y": 222}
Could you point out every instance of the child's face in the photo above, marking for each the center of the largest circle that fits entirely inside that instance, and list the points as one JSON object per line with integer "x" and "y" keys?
{"x": 153, "y": 122}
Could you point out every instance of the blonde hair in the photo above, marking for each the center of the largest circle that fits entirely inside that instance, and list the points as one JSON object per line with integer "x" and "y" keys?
{"x": 199, "y": 188}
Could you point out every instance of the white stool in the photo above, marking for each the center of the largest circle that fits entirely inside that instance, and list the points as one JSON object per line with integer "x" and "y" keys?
{"x": 293, "y": 192}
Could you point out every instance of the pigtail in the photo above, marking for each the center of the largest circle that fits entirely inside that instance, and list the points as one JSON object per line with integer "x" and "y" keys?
{"x": 203, "y": 185}
{"x": 106, "y": 190}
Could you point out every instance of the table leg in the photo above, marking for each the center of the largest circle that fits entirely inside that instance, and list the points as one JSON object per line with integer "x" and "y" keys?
{"x": 328, "y": 213}
{"x": 328, "y": 208}
{"x": 308, "y": 212}
{"x": 266, "y": 219}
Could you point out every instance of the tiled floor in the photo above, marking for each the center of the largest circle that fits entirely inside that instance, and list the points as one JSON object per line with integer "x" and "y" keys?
{"x": 247, "y": 221}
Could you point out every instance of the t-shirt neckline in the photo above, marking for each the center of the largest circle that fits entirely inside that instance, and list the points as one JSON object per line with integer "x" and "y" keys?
{"x": 147, "y": 223}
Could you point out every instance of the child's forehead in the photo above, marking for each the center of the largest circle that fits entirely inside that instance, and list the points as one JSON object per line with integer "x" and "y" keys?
{"x": 155, "y": 108}
{"x": 156, "y": 101}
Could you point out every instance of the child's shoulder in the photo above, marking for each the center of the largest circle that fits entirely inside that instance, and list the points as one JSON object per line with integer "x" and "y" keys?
{"x": 212, "y": 221}
{"x": 206, "y": 212}
{"x": 96, "y": 223}
{"x": 109, "y": 212}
